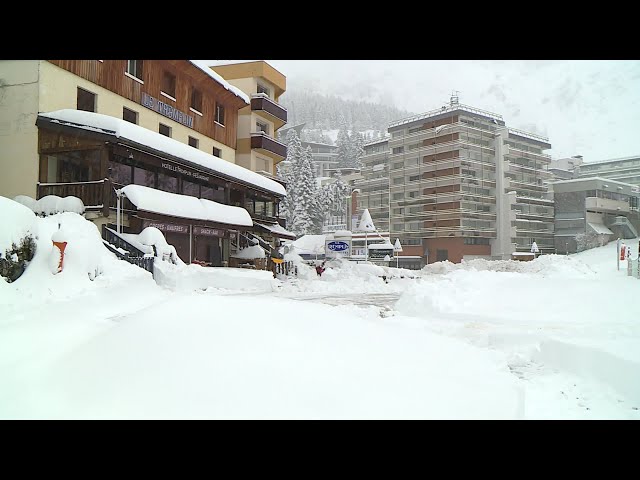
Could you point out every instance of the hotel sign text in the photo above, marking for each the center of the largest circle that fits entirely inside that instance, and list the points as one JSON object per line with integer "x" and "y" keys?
{"x": 166, "y": 110}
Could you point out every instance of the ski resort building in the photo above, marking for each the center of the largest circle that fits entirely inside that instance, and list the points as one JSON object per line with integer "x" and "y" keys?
{"x": 90, "y": 128}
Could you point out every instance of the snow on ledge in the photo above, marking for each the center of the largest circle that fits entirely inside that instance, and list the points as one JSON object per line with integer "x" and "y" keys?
{"x": 185, "y": 206}
{"x": 218, "y": 78}
{"x": 130, "y": 131}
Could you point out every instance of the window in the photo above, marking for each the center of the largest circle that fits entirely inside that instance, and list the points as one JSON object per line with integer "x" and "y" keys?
{"x": 476, "y": 241}
{"x": 398, "y": 196}
{"x": 129, "y": 115}
{"x": 264, "y": 90}
{"x": 414, "y": 178}
{"x": 169, "y": 84}
{"x": 263, "y": 164}
{"x": 397, "y": 150}
{"x": 167, "y": 183}
{"x": 190, "y": 188}
{"x": 164, "y": 130}
{"x": 442, "y": 255}
{"x": 193, "y": 142}
{"x": 262, "y": 127}
{"x": 78, "y": 166}
{"x": 196, "y": 100}
{"x": 120, "y": 173}
{"x": 217, "y": 152}
{"x": 144, "y": 177}
{"x": 86, "y": 100}
{"x": 134, "y": 68}
{"x": 219, "y": 114}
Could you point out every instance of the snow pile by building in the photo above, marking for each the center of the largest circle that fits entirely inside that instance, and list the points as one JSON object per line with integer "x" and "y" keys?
{"x": 194, "y": 277}
{"x": 250, "y": 253}
{"x": 52, "y": 204}
{"x": 18, "y": 221}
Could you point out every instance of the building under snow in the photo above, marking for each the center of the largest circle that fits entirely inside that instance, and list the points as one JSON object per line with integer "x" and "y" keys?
{"x": 88, "y": 128}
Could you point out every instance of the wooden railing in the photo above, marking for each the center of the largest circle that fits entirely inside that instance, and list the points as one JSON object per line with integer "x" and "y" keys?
{"x": 91, "y": 193}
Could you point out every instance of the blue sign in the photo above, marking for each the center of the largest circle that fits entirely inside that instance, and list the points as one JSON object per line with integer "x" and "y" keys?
{"x": 338, "y": 246}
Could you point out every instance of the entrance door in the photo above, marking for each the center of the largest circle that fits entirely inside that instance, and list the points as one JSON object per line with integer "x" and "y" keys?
{"x": 215, "y": 252}
{"x": 442, "y": 255}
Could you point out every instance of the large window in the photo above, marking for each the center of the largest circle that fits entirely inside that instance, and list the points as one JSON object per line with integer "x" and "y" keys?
{"x": 262, "y": 127}
{"x": 68, "y": 167}
{"x": 167, "y": 183}
{"x": 144, "y": 177}
{"x": 169, "y": 84}
{"x": 190, "y": 188}
{"x": 134, "y": 67}
{"x": 86, "y": 100}
{"x": 120, "y": 173}
{"x": 219, "y": 114}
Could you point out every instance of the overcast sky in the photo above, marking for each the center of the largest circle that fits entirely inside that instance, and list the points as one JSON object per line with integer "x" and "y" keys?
{"x": 585, "y": 107}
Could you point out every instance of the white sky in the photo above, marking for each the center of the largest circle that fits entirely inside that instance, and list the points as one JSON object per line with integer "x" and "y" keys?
{"x": 585, "y": 107}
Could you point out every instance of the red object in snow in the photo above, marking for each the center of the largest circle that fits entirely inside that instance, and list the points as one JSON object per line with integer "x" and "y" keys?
{"x": 61, "y": 246}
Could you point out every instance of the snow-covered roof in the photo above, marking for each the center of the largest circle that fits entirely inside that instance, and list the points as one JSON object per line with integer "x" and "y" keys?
{"x": 209, "y": 71}
{"x": 185, "y": 206}
{"x": 130, "y": 131}
{"x": 380, "y": 246}
{"x": 277, "y": 229}
{"x": 250, "y": 253}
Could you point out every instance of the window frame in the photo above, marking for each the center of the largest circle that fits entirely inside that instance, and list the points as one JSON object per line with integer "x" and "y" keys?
{"x": 160, "y": 125}
{"x": 93, "y": 95}
{"x": 173, "y": 80}
{"x": 137, "y": 115}
{"x": 138, "y": 69}
{"x": 219, "y": 108}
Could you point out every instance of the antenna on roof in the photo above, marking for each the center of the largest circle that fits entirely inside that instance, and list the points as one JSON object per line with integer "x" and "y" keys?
{"x": 454, "y": 98}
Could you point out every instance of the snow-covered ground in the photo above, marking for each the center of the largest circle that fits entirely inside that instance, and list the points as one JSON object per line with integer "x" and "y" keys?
{"x": 557, "y": 337}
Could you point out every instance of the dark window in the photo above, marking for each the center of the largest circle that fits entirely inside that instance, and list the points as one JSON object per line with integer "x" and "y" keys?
{"x": 442, "y": 255}
{"x": 63, "y": 167}
{"x": 193, "y": 142}
{"x": 262, "y": 89}
{"x": 219, "y": 114}
{"x": 120, "y": 173}
{"x": 414, "y": 178}
{"x": 144, "y": 177}
{"x": 217, "y": 152}
{"x": 262, "y": 127}
{"x": 206, "y": 192}
{"x": 190, "y": 188}
{"x": 164, "y": 130}
{"x": 86, "y": 100}
{"x": 167, "y": 183}
{"x": 398, "y": 150}
{"x": 129, "y": 115}
{"x": 196, "y": 100}
{"x": 134, "y": 67}
{"x": 169, "y": 84}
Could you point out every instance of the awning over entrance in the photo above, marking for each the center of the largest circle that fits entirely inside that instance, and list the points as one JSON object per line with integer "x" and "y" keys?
{"x": 185, "y": 206}
{"x": 600, "y": 229}
{"x": 276, "y": 230}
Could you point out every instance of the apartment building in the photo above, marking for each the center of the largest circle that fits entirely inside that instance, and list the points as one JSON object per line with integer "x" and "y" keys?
{"x": 88, "y": 128}
{"x": 626, "y": 169}
{"x": 592, "y": 211}
{"x": 259, "y": 122}
{"x": 460, "y": 184}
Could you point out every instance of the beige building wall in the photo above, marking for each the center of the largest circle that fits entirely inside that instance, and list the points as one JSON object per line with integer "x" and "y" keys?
{"x": 58, "y": 90}
{"x": 18, "y": 131}
{"x": 247, "y": 85}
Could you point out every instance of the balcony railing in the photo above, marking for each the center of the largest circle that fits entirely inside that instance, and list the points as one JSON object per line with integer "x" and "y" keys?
{"x": 269, "y": 146}
{"x": 92, "y": 193}
{"x": 262, "y": 103}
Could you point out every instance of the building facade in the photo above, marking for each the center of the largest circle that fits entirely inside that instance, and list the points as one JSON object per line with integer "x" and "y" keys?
{"x": 626, "y": 169}
{"x": 590, "y": 212}
{"x": 259, "y": 122}
{"x": 460, "y": 184}
{"x": 88, "y": 128}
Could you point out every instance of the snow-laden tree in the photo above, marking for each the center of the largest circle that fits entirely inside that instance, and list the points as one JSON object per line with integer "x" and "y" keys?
{"x": 294, "y": 153}
{"x": 343, "y": 142}
{"x": 306, "y": 202}
{"x": 357, "y": 149}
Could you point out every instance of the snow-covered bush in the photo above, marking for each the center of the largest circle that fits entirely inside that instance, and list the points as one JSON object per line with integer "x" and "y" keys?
{"x": 51, "y": 204}
{"x": 155, "y": 238}
{"x": 17, "y": 258}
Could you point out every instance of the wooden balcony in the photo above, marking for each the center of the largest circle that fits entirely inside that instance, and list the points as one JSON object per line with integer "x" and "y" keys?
{"x": 92, "y": 194}
{"x": 268, "y": 146}
{"x": 264, "y": 106}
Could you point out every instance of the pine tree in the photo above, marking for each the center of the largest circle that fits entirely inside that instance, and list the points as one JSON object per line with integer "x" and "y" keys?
{"x": 343, "y": 143}
{"x": 357, "y": 149}
{"x": 294, "y": 151}
{"x": 306, "y": 201}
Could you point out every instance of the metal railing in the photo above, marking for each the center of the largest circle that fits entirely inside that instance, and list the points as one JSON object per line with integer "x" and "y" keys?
{"x": 445, "y": 109}
{"x": 126, "y": 251}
